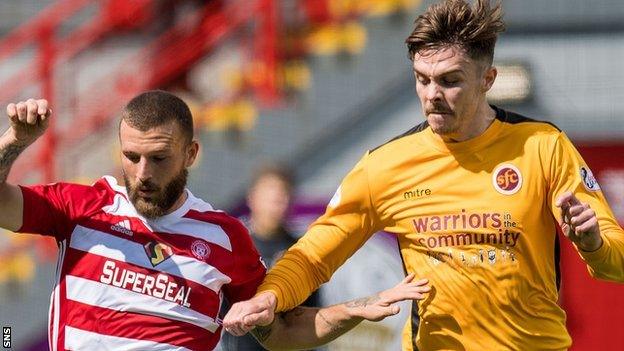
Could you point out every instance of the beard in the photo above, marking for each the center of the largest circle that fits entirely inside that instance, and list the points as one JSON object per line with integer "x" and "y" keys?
{"x": 162, "y": 199}
{"x": 442, "y": 125}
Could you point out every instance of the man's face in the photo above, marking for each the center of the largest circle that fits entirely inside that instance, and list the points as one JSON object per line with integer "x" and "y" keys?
{"x": 450, "y": 86}
{"x": 269, "y": 198}
{"x": 154, "y": 166}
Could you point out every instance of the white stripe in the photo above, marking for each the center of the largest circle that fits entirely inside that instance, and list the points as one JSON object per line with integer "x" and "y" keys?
{"x": 56, "y": 295}
{"x": 112, "y": 181}
{"x": 77, "y": 339}
{"x": 110, "y": 246}
{"x": 51, "y": 321}
{"x": 121, "y": 207}
{"x": 107, "y": 296}
{"x": 199, "y": 204}
{"x": 209, "y": 232}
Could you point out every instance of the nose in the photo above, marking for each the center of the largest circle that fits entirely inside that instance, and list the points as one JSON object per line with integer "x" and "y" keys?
{"x": 144, "y": 170}
{"x": 433, "y": 92}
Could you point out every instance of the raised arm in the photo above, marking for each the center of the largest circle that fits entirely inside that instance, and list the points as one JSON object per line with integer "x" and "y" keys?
{"x": 28, "y": 120}
{"x": 305, "y": 328}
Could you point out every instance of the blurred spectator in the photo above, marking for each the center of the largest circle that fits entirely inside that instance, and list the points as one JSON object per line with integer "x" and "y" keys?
{"x": 268, "y": 199}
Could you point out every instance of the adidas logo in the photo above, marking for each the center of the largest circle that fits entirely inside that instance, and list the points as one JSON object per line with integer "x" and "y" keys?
{"x": 123, "y": 227}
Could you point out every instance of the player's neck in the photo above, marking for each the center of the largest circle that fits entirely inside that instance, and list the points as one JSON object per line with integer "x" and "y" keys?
{"x": 179, "y": 202}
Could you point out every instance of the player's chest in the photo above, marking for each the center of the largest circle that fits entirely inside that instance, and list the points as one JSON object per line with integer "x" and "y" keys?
{"x": 129, "y": 239}
{"x": 461, "y": 196}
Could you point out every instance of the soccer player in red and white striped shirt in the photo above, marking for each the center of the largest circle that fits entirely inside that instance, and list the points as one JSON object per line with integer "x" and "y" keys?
{"x": 147, "y": 265}
{"x": 141, "y": 266}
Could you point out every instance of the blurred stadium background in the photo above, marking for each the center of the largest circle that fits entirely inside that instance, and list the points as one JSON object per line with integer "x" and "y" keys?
{"x": 312, "y": 83}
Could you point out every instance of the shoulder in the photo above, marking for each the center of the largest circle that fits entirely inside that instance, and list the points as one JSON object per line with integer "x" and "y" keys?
{"x": 385, "y": 160}
{"x": 400, "y": 141}
{"x": 236, "y": 232}
{"x": 406, "y": 147}
{"x": 217, "y": 217}
{"x": 72, "y": 193}
{"x": 520, "y": 124}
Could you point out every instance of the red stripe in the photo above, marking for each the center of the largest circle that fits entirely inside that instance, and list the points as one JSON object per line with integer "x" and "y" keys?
{"x": 232, "y": 226}
{"x": 90, "y": 266}
{"x": 141, "y": 327}
{"x": 248, "y": 271}
{"x": 180, "y": 243}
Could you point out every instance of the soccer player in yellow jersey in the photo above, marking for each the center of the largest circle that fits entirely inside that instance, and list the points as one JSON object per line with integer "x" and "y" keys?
{"x": 474, "y": 196}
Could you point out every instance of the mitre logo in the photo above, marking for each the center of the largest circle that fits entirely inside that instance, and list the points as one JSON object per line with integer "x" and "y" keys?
{"x": 157, "y": 252}
{"x": 507, "y": 179}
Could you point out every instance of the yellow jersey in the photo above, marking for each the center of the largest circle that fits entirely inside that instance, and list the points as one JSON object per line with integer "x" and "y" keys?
{"x": 478, "y": 219}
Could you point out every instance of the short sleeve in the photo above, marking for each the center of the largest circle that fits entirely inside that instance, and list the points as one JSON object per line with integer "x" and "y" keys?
{"x": 249, "y": 269}
{"x": 52, "y": 209}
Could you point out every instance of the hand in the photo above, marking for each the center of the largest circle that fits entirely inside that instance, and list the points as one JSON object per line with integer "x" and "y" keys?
{"x": 246, "y": 315}
{"x": 579, "y": 222}
{"x": 28, "y": 120}
{"x": 381, "y": 305}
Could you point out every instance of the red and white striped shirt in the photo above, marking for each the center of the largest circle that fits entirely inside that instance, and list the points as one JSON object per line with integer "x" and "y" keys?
{"x": 129, "y": 283}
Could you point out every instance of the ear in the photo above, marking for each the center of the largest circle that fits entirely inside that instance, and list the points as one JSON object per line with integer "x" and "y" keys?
{"x": 488, "y": 78}
{"x": 191, "y": 153}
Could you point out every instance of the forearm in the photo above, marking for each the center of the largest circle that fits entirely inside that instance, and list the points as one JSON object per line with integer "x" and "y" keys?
{"x": 311, "y": 262}
{"x": 10, "y": 149}
{"x": 292, "y": 279}
{"x": 11, "y": 201}
{"x": 305, "y": 328}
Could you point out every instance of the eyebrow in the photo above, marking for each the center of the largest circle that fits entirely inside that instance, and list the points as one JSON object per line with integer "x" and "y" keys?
{"x": 458, "y": 70}
{"x": 159, "y": 151}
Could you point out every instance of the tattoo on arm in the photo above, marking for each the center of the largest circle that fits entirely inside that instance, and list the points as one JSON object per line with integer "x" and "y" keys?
{"x": 363, "y": 302}
{"x": 262, "y": 333}
{"x": 8, "y": 155}
{"x": 297, "y": 311}
{"x": 332, "y": 327}
{"x": 290, "y": 318}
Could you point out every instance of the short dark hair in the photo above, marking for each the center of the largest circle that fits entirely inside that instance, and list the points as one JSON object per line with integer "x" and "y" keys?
{"x": 454, "y": 22}
{"x": 278, "y": 170}
{"x": 157, "y": 107}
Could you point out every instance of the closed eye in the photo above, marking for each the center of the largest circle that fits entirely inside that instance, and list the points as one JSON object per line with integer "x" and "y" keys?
{"x": 422, "y": 80}
{"x": 134, "y": 158}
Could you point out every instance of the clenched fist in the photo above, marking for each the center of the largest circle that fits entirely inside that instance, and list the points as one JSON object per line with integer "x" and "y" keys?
{"x": 579, "y": 222}
{"x": 28, "y": 120}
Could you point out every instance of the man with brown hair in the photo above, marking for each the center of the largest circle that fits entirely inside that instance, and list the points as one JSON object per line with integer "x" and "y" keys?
{"x": 147, "y": 265}
{"x": 143, "y": 265}
{"x": 473, "y": 195}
